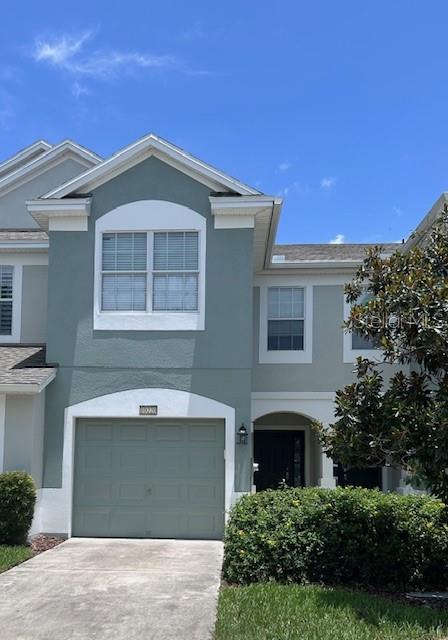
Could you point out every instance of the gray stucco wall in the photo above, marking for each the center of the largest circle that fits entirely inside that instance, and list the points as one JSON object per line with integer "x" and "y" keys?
{"x": 13, "y": 213}
{"x": 34, "y": 304}
{"x": 215, "y": 363}
{"x": 24, "y": 434}
{"x": 327, "y": 372}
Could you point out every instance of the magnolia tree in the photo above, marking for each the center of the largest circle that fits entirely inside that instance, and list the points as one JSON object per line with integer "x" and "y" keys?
{"x": 402, "y": 421}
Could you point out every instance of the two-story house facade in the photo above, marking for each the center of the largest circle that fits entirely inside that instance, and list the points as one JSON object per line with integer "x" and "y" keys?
{"x": 155, "y": 343}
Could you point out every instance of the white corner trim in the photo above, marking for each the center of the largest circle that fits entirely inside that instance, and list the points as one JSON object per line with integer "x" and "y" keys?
{"x": 150, "y": 215}
{"x": 2, "y": 430}
{"x": 349, "y": 354}
{"x": 70, "y": 214}
{"x": 55, "y": 506}
{"x": 304, "y": 356}
{"x": 139, "y": 151}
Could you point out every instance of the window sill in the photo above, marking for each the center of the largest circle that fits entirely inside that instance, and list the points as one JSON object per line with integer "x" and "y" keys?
{"x": 285, "y": 357}
{"x": 148, "y": 321}
{"x": 351, "y": 355}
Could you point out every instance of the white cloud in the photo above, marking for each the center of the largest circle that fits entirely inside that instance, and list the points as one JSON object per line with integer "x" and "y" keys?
{"x": 79, "y": 90}
{"x": 328, "y": 182}
{"x": 284, "y": 166}
{"x": 338, "y": 239}
{"x": 73, "y": 55}
{"x": 60, "y": 51}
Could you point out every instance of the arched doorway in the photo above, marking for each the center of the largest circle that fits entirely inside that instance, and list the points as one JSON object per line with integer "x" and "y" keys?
{"x": 286, "y": 451}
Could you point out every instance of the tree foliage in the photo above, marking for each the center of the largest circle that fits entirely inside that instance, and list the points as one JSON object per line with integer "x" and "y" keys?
{"x": 402, "y": 421}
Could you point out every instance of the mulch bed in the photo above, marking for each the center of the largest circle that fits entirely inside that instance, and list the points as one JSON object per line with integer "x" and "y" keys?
{"x": 42, "y": 543}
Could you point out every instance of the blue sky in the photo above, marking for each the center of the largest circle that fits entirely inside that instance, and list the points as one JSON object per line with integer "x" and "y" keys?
{"x": 341, "y": 107}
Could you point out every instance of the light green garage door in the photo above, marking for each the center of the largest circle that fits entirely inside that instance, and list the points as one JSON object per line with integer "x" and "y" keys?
{"x": 149, "y": 479}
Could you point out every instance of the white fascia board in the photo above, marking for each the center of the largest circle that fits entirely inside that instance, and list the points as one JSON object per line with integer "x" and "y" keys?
{"x": 31, "y": 150}
{"x": 69, "y": 214}
{"x": 15, "y": 245}
{"x": 240, "y": 206}
{"x": 314, "y": 264}
{"x": 26, "y": 388}
{"x": 28, "y": 170}
{"x": 145, "y": 147}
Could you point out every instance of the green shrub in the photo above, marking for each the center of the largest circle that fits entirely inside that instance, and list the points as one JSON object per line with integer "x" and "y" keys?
{"x": 17, "y": 500}
{"x": 338, "y": 536}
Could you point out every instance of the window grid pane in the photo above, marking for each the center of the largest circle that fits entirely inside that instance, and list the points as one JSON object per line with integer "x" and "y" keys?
{"x": 176, "y": 251}
{"x": 359, "y": 342}
{"x": 286, "y": 310}
{"x": 175, "y": 292}
{"x": 124, "y": 278}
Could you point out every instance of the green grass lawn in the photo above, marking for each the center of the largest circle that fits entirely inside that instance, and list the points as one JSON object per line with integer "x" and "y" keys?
{"x": 292, "y": 612}
{"x": 10, "y": 556}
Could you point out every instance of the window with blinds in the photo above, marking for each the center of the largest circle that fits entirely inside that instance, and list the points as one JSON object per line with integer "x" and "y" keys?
{"x": 6, "y": 277}
{"x": 286, "y": 318}
{"x": 175, "y": 271}
{"x": 124, "y": 272}
{"x": 132, "y": 281}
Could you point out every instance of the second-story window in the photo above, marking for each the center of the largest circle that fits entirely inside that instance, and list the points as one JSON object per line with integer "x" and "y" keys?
{"x": 6, "y": 276}
{"x": 286, "y": 318}
{"x": 175, "y": 271}
{"x": 124, "y": 272}
{"x": 150, "y": 271}
{"x": 360, "y": 342}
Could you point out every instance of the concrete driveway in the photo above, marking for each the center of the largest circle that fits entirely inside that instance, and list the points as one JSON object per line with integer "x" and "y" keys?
{"x": 93, "y": 589}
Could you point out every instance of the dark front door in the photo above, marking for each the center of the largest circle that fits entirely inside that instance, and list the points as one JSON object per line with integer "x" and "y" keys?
{"x": 281, "y": 457}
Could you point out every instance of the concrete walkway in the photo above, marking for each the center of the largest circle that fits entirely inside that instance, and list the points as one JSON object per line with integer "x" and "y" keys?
{"x": 90, "y": 589}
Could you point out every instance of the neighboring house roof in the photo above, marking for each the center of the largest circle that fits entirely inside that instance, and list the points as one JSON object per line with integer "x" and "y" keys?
{"x": 144, "y": 148}
{"x": 23, "y": 156}
{"x": 418, "y": 236}
{"x": 326, "y": 252}
{"x": 24, "y": 370}
{"x": 23, "y": 239}
{"x": 36, "y": 165}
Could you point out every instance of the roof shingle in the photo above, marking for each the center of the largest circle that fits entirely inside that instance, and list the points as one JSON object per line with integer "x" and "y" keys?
{"x": 325, "y": 252}
{"x": 24, "y": 365}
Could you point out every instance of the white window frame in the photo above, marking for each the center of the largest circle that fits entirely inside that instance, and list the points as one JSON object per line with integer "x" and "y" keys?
{"x": 17, "y": 272}
{"x": 351, "y": 354}
{"x": 303, "y": 356}
{"x": 150, "y": 216}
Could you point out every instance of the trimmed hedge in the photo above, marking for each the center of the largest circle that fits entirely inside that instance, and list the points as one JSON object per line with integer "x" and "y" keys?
{"x": 338, "y": 536}
{"x": 17, "y": 500}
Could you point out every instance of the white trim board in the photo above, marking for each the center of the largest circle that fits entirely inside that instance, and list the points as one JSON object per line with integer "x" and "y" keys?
{"x": 37, "y": 148}
{"x": 54, "y": 511}
{"x": 150, "y": 145}
{"x": 45, "y": 161}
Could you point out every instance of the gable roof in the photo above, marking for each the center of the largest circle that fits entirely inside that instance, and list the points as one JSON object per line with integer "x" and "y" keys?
{"x": 151, "y": 145}
{"x": 24, "y": 156}
{"x": 290, "y": 253}
{"x": 66, "y": 148}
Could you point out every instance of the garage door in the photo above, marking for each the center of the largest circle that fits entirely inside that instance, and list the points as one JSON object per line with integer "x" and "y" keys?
{"x": 149, "y": 478}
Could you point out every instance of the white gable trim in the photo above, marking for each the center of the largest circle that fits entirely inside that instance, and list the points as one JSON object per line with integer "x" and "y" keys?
{"x": 138, "y": 151}
{"x": 33, "y": 149}
{"x": 47, "y": 160}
